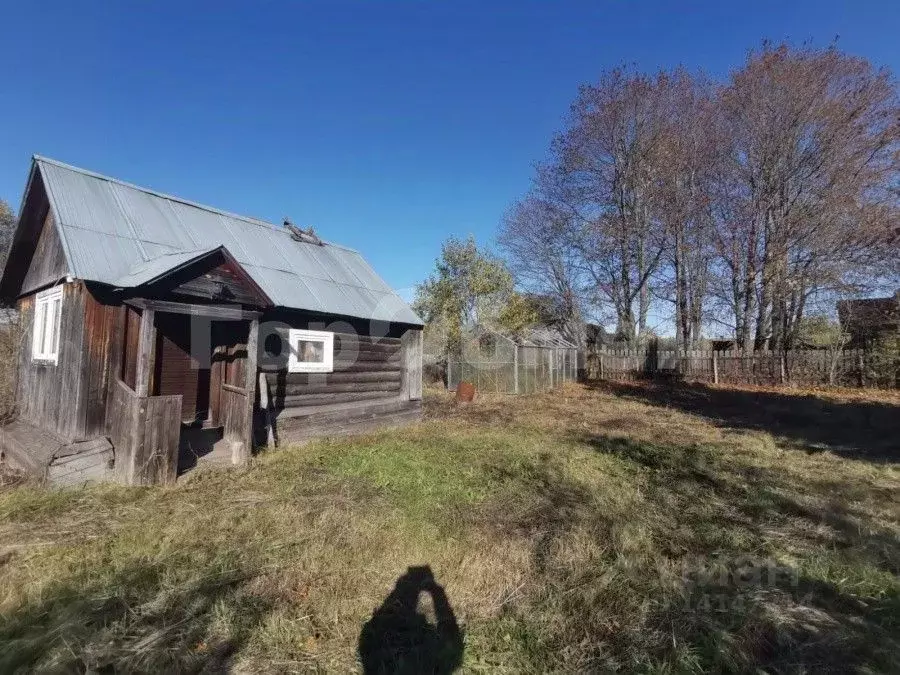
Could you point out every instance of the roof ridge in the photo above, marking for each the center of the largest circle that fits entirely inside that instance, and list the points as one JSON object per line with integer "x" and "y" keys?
{"x": 181, "y": 200}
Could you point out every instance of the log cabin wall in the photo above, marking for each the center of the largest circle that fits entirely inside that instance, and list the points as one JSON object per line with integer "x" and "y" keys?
{"x": 69, "y": 398}
{"x": 376, "y": 381}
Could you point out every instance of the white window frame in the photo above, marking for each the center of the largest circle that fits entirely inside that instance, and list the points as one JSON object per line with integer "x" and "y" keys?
{"x": 327, "y": 340}
{"x": 45, "y": 336}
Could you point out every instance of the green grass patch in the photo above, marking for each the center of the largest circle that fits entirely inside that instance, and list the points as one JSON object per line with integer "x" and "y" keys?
{"x": 579, "y": 531}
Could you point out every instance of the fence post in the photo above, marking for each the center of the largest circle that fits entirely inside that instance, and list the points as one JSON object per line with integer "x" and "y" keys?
{"x": 861, "y": 362}
{"x": 516, "y": 368}
{"x": 550, "y": 364}
{"x": 833, "y": 365}
{"x": 715, "y": 366}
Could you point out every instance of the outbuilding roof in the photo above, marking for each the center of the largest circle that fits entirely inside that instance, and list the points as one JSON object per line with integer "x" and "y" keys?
{"x": 124, "y": 235}
{"x": 530, "y": 336}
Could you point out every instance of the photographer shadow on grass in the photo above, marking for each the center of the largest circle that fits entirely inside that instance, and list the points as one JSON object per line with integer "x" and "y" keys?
{"x": 399, "y": 638}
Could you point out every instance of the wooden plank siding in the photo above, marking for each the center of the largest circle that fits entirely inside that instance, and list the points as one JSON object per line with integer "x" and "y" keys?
{"x": 32, "y": 219}
{"x": 222, "y": 282}
{"x": 122, "y": 418}
{"x": 412, "y": 364}
{"x": 216, "y": 277}
{"x": 244, "y": 449}
{"x": 68, "y": 398}
{"x": 237, "y": 425}
{"x": 102, "y": 349}
{"x": 144, "y": 432}
{"x": 157, "y": 458}
{"x": 48, "y": 264}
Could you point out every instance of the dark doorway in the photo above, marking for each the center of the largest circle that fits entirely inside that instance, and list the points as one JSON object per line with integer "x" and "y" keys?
{"x": 200, "y": 381}
{"x": 176, "y": 372}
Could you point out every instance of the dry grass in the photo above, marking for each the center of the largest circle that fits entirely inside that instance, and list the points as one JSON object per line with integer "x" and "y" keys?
{"x": 628, "y": 528}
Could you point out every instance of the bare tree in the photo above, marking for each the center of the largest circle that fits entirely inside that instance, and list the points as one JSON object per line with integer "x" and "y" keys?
{"x": 747, "y": 203}
{"x": 684, "y": 161}
{"x": 7, "y": 229}
{"x": 537, "y": 239}
{"x": 812, "y": 157}
{"x": 602, "y": 171}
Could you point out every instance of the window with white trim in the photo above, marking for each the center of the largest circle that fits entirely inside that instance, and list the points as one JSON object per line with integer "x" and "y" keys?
{"x": 311, "y": 351}
{"x": 45, "y": 337}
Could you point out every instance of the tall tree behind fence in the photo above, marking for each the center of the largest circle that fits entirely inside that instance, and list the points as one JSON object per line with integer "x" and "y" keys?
{"x": 807, "y": 367}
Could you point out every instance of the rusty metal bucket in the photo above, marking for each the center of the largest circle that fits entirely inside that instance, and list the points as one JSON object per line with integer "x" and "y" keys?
{"x": 465, "y": 392}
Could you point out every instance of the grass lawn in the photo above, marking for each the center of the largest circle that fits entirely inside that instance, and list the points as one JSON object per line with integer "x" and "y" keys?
{"x": 621, "y": 527}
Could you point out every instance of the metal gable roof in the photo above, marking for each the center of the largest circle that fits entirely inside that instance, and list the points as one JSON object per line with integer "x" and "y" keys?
{"x": 118, "y": 234}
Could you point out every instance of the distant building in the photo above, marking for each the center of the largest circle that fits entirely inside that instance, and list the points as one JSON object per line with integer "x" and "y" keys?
{"x": 869, "y": 320}
{"x": 596, "y": 337}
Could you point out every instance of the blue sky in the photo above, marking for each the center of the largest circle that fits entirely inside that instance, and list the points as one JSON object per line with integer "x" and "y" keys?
{"x": 387, "y": 125}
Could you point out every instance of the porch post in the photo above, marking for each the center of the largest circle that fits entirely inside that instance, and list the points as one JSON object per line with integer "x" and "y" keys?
{"x": 411, "y": 365}
{"x": 242, "y": 451}
{"x": 145, "y": 352}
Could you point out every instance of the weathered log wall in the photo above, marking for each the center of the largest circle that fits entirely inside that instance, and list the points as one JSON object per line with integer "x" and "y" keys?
{"x": 377, "y": 381}
{"x": 365, "y": 368}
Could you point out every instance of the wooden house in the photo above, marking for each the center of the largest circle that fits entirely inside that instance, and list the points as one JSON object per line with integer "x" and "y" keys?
{"x": 159, "y": 332}
{"x": 869, "y": 321}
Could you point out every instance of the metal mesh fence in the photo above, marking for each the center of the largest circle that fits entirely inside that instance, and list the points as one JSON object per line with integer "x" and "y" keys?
{"x": 497, "y": 364}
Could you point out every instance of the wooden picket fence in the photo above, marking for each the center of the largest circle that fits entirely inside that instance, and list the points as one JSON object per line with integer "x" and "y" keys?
{"x": 804, "y": 367}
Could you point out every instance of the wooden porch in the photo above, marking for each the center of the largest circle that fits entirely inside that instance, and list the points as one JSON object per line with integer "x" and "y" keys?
{"x": 147, "y": 428}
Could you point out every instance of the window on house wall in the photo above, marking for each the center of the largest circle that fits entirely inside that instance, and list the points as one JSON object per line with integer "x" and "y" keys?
{"x": 47, "y": 313}
{"x": 312, "y": 351}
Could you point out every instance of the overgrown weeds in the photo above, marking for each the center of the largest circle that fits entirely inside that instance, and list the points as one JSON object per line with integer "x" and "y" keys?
{"x": 579, "y": 530}
{"x": 10, "y": 345}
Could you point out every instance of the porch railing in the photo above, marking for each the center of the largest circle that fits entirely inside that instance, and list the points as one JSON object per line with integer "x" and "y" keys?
{"x": 145, "y": 432}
